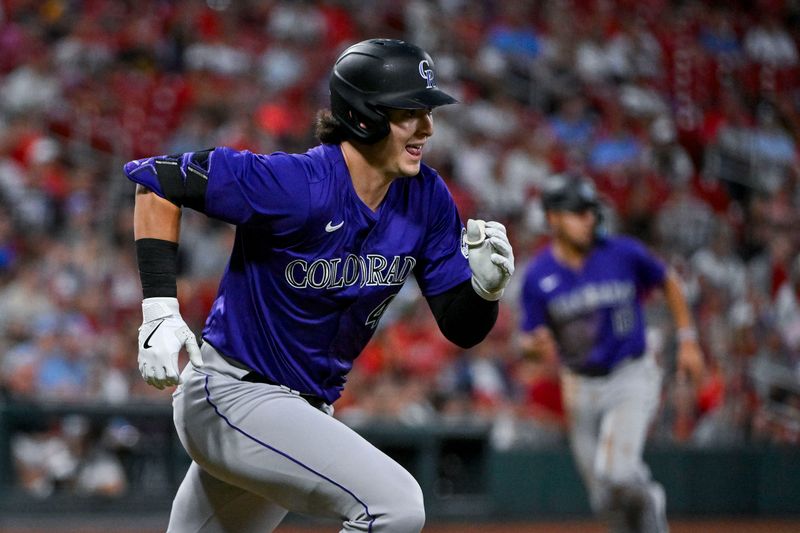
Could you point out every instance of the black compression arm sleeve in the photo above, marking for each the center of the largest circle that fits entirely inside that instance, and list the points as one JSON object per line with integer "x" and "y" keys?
{"x": 158, "y": 265}
{"x": 463, "y": 317}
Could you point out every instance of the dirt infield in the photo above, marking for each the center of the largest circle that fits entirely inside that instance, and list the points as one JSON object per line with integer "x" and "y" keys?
{"x": 676, "y": 526}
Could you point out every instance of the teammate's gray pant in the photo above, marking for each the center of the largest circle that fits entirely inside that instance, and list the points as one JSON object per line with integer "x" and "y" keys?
{"x": 260, "y": 451}
{"x": 608, "y": 421}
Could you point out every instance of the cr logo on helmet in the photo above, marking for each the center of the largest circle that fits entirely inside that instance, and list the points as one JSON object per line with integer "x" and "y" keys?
{"x": 426, "y": 73}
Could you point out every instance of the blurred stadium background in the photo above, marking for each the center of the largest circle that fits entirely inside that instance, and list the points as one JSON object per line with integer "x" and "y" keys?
{"x": 686, "y": 113}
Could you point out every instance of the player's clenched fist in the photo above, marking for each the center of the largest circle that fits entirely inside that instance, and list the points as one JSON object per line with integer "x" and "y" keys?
{"x": 490, "y": 258}
{"x": 162, "y": 335}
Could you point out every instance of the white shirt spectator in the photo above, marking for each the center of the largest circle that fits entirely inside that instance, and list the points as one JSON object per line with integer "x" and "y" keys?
{"x": 720, "y": 265}
{"x": 217, "y": 57}
{"x": 299, "y": 21}
{"x": 685, "y": 223}
{"x": 476, "y": 166}
{"x": 787, "y": 308}
{"x": 281, "y": 67}
{"x": 30, "y": 87}
{"x": 770, "y": 44}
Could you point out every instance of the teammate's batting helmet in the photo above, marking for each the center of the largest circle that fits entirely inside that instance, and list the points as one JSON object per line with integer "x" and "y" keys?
{"x": 570, "y": 192}
{"x": 377, "y": 74}
{"x": 575, "y": 193}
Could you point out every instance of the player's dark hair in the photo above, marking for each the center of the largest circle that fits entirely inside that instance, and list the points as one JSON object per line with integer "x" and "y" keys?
{"x": 328, "y": 129}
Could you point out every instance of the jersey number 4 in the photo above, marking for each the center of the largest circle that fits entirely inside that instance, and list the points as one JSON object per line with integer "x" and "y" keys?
{"x": 376, "y": 314}
{"x": 624, "y": 320}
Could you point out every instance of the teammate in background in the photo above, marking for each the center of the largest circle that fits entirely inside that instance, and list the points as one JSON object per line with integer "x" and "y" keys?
{"x": 582, "y": 306}
{"x": 324, "y": 241}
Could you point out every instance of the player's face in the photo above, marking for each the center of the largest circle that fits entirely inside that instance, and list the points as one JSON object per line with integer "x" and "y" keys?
{"x": 409, "y": 130}
{"x": 575, "y": 228}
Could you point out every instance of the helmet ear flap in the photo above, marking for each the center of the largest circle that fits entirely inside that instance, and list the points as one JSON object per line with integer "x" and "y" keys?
{"x": 367, "y": 125}
{"x": 600, "y": 223}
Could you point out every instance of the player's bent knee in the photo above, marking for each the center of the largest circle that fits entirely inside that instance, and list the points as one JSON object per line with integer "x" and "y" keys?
{"x": 400, "y": 517}
{"x": 625, "y": 496}
{"x": 408, "y": 519}
{"x": 611, "y": 495}
{"x": 406, "y": 512}
{"x": 600, "y": 500}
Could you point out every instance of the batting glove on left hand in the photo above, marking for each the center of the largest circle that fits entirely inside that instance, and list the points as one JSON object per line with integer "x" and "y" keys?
{"x": 491, "y": 258}
{"x": 162, "y": 335}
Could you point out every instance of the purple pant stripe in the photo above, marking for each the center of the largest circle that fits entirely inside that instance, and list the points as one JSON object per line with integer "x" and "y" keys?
{"x": 287, "y": 456}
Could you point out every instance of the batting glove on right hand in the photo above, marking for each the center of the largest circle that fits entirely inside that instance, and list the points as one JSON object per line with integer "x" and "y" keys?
{"x": 491, "y": 258}
{"x": 162, "y": 335}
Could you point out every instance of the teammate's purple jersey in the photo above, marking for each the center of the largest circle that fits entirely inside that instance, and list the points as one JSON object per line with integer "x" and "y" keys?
{"x": 313, "y": 268}
{"x": 596, "y": 312}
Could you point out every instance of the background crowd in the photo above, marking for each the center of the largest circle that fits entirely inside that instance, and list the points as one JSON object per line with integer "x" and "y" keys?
{"x": 686, "y": 114}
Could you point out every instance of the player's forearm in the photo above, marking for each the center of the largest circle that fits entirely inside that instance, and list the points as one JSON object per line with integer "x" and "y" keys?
{"x": 528, "y": 347}
{"x": 155, "y": 217}
{"x": 539, "y": 345}
{"x": 464, "y": 318}
{"x": 156, "y": 228}
{"x": 676, "y": 301}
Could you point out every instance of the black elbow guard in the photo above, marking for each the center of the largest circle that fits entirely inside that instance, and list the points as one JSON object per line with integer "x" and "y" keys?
{"x": 184, "y": 180}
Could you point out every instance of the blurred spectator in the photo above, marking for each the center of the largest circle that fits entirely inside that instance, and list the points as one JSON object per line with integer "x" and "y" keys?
{"x": 787, "y": 308}
{"x": 769, "y": 43}
{"x": 479, "y": 375}
{"x": 719, "y": 264}
{"x": 717, "y": 34}
{"x": 72, "y": 456}
{"x": 33, "y": 85}
{"x": 64, "y": 367}
{"x": 666, "y": 155}
{"x": 573, "y": 125}
{"x": 684, "y": 224}
{"x": 527, "y": 165}
{"x": 616, "y": 146}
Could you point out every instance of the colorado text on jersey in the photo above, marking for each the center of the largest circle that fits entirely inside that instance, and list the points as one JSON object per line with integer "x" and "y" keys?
{"x": 372, "y": 270}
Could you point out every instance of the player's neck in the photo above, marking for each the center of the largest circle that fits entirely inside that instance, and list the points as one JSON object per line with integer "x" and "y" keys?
{"x": 369, "y": 182}
{"x": 568, "y": 254}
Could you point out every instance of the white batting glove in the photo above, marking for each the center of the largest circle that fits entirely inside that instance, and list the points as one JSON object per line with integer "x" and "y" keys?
{"x": 162, "y": 335}
{"x": 491, "y": 258}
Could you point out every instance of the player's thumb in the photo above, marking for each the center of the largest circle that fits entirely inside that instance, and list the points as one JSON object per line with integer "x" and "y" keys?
{"x": 476, "y": 232}
{"x": 193, "y": 350}
{"x": 190, "y": 342}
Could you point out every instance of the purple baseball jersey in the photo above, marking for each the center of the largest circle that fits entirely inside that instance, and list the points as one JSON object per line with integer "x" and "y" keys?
{"x": 596, "y": 312}
{"x": 313, "y": 268}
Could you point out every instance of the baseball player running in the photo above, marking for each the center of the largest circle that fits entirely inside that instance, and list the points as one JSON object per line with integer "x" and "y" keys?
{"x": 582, "y": 303}
{"x": 324, "y": 241}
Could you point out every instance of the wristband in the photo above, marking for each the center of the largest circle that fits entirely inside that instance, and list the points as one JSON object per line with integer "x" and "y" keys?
{"x": 158, "y": 265}
{"x": 687, "y": 334}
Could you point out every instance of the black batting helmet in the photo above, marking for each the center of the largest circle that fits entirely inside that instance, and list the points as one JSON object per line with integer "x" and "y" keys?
{"x": 381, "y": 73}
{"x": 570, "y": 192}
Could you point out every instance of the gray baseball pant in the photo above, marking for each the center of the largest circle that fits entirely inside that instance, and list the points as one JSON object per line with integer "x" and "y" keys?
{"x": 259, "y": 451}
{"x": 608, "y": 421}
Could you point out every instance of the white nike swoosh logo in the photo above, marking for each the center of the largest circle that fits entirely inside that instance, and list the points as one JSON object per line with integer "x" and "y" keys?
{"x": 331, "y": 228}
{"x": 549, "y": 283}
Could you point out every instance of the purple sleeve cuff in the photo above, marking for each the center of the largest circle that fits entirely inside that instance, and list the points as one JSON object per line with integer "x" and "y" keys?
{"x": 143, "y": 172}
